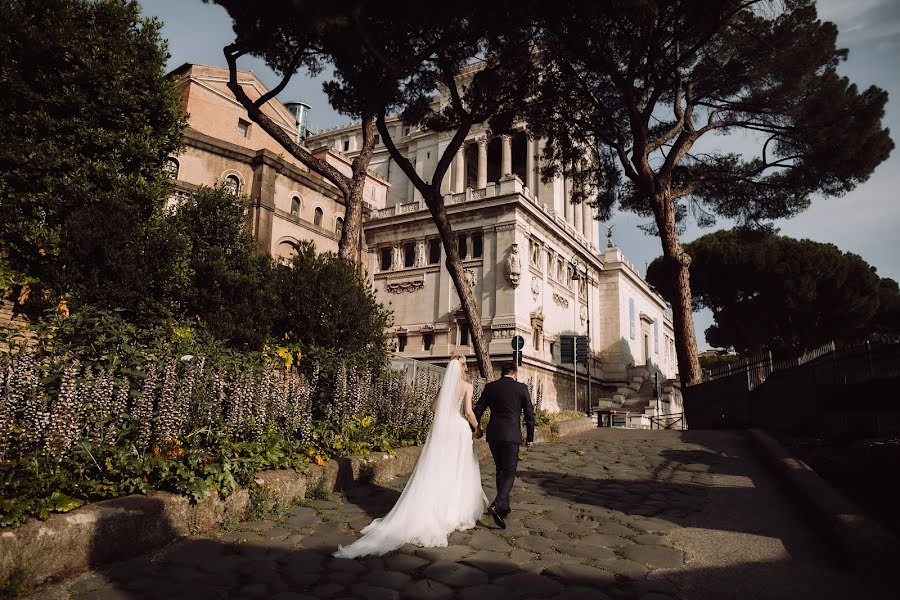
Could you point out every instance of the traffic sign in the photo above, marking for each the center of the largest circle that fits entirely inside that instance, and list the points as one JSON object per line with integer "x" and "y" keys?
{"x": 518, "y": 342}
{"x": 567, "y": 349}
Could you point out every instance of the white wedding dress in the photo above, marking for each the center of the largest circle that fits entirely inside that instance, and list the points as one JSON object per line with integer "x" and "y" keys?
{"x": 443, "y": 493}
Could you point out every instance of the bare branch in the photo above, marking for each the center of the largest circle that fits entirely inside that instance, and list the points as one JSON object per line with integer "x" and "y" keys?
{"x": 403, "y": 162}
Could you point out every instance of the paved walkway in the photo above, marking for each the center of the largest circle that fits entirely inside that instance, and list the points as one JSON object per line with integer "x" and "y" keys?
{"x": 649, "y": 515}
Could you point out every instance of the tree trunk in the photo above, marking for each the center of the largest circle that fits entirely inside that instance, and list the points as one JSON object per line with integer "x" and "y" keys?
{"x": 349, "y": 246}
{"x": 677, "y": 263}
{"x": 458, "y": 275}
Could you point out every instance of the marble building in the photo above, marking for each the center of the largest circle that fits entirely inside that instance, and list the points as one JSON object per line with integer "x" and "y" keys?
{"x": 521, "y": 241}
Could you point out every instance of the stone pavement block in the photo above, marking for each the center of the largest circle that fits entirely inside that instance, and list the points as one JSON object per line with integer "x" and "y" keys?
{"x": 427, "y": 589}
{"x": 394, "y": 580}
{"x": 586, "y": 551}
{"x": 448, "y": 553}
{"x": 656, "y": 556}
{"x": 487, "y": 540}
{"x": 492, "y": 563}
{"x": 654, "y": 525}
{"x": 489, "y": 592}
{"x": 110, "y": 592}
{"x": 521, "y": 556}
{"x": 613, "y": 528}
{"x": 605, "y": 539}
{"x": 581, "y": 593}
{"x": 405, "y": 563}
{"x": 621, "y": 566}
{"x": 649, "y": 539}
{"x": 456, "y": 575}
{"x": 371, "y": 592}
{"x": 327, "y": 590}
{"x": 534, "y": 543}
{"x": 530, "y": 585}
{"x": 581, "y": 575}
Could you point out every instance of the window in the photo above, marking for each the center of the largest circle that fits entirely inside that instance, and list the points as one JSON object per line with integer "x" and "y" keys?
{"x": 434, "y": 252}
{"x": 463, "y": 333}
{"x": 401, "y": 341}
{"x": 170, "y": 168}
{"x": 243, "y": 128}
{"x": 409, "y": 255}
{"x": 339, "y": 225}
{"x": 631, "y": 318}
{"x": 536, "y": 339}
{"x": 427, "y": 340}
{"x": 232, "y": 185}
{"x": 317, "y": 216}
{"x": 406, "y": 130}
{"x": 377, "y": 139}
{"x": 476, "y": 245}
{"x": 295, "y": 206}
{"x": 461, "y": 242}
{"x": 428, "y": 155}
{"x": 535, "y": 254}
{"x": 386, "y": 255}
{"x": 346, "y": 145}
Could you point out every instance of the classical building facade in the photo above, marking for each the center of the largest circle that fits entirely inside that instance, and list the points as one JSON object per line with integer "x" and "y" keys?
{"x": 534, "y": 260}
{"x": 221, "y": 146}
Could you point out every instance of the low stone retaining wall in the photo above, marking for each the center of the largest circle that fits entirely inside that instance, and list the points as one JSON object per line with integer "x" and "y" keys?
{"x": 112, "y": 530}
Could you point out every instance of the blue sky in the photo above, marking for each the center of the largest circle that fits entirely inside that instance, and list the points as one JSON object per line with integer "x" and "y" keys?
{"x": 866, "y": 221}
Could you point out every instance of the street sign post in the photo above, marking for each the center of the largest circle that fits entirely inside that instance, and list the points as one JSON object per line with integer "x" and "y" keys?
{"x": 518, "y": 342}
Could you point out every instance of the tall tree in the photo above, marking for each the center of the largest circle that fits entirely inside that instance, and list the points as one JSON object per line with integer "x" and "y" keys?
{"x": 768, "y": 291}
{"x": 630, "y": 89}
{"x": 90, "y": 117}
{"x": 453, "y": 37}
{"x": 294, "y": 35}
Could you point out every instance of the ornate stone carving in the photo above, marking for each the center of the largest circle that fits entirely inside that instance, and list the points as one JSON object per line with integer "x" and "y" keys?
{"x": 470, "y": 278}
{"x": 535, "y": 287}
{"x": 513, "y": 266}
{"x": 561, "y": 300}
{"x": 401, "y": 286}
{"x": 397, "y": 263}
{"x": 420, "y": 253}
{"x": 582, "y": 313}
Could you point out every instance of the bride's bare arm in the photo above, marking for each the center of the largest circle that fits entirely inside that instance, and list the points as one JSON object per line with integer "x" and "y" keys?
{"x": 470, "y": 414}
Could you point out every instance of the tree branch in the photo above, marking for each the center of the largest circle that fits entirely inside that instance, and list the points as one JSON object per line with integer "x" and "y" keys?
{"x": 403, "y": 162}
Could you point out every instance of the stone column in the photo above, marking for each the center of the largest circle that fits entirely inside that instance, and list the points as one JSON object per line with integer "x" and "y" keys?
{"x": 567, "y": 206}
{"x": 505, "y": 155}
{"x": 482, "y": 163}
{"x": 410, "y": 188}
{"x": 578, "y": 217}
{"x": 459, "y": 169}
{"x": 530, "y": 149}
{"x": 589, "y": 227}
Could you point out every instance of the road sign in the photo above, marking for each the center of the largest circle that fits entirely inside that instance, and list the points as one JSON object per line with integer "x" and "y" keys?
{"x": 567, "y": 349}
{"x": 581, "y": 349}
{"x": 518, "y": 342}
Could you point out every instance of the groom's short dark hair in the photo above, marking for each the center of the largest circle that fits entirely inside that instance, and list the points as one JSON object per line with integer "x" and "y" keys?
{"x": 509, "y": 368}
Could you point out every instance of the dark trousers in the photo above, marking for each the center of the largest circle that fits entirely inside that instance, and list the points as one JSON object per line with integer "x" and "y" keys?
{"x": 506, "y": 457}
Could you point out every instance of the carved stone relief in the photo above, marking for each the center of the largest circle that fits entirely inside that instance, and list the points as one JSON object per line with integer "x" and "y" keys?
{"x": 535, "y": 287}
{"x": 399, "y": 287}
{"x": 561, "y": 300}
{"x": 513, "y": 266}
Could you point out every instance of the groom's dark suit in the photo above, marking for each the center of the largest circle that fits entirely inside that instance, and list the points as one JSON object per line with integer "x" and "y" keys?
{"x": 507, "y": 399}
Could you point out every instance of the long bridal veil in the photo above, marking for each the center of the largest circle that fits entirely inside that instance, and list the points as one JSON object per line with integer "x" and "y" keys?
{"x": 441, "y": 494}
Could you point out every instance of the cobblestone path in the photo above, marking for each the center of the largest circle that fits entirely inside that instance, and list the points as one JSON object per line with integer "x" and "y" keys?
{"x": 614, "y": 514}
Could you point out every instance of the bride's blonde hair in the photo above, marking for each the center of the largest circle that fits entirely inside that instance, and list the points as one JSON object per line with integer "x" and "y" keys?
{"x": 462, "y": 359}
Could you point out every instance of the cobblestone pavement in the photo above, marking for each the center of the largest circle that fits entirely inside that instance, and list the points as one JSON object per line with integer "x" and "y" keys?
{"x": 649, "y": 515}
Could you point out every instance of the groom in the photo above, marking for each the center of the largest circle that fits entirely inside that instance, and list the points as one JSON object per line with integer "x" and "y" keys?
{"x": 507, "y": 399}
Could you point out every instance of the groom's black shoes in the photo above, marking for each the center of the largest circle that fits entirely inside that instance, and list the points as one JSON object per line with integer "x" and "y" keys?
{"x": 496, "y": 516}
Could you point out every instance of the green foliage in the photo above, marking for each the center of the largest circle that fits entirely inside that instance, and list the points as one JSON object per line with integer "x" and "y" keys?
{"x": 231, "y": 287}
{"x": 326, "y": 303}
{"x": 91, "y": 117}
{"x": 36, "y": 486}
{"x": 709, "y": 363}
{"x": 771, "y": 291}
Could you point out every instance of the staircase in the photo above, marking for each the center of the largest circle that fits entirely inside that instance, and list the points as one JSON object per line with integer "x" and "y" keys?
{"x": 635, "y": 398}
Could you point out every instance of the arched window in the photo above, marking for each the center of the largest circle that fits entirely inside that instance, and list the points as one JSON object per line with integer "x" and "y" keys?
{"x": 295, "y": 206}
{"x": 170, "y": 168}
{"x": 339, "y": 225}
{"x": 232, "y": 185}
{"x": 317, "y": 218}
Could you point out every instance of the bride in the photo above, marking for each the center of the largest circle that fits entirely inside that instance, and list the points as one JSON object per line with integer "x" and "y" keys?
{"x": 444, "y": 492}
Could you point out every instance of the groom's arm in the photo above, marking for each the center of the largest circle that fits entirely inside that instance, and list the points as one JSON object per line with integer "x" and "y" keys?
{"x": 528, "y": 409}
{"x": 482, "y": 403}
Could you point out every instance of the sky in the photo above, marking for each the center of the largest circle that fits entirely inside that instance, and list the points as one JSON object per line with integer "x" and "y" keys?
{"x": 865, "y": 221}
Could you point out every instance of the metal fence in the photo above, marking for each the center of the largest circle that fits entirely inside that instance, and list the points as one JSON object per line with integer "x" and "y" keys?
{"x": 417, "y": 370}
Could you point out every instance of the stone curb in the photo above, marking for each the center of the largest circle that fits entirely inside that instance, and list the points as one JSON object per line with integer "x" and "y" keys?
{"x": 113, "y": 530}
{"x": 871, "y": 551}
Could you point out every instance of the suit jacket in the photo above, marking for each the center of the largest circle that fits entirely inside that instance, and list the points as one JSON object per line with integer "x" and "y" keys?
{"x": 507, "y": 399}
